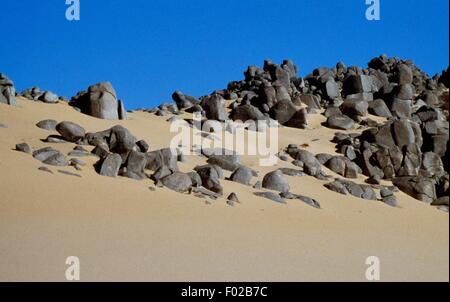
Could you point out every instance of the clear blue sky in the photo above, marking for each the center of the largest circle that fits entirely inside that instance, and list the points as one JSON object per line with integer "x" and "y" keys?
{"x": 149, "y": 48}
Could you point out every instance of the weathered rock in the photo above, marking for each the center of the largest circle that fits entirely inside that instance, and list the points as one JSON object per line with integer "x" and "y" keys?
{"x": 299, "y": 120}
{"x": 379, "y": 108}
{"x": 388, "y": 197}
{"x": 99, "y": 101}
{"x": 226, "y": 162}
{"x": 341, "y": 122}
{"x": 110, "y": 165}
{"x": 47, "y": 125}
{"x": 70, "y": 131}
{"x": 183, "y": 101}
{"x": 276, "y": 181}
{"x": 271, "y": 195}
{"x": 418, "y": 187}
{"x": 353, "y": 108}
{"x": 214, "y": 107}
{"x": 283, "y": 111}
{"x": 7, "y": 91}
{"x": 246, "y": 112}
{"x": 49, "y": 97}
{"x": 179, "y": 182}
{"x": 135, "y": 165}
{"x": 242, "y": 175}
{"x": 163, "y": 157}
{"x": 348, "y": 187}
{"x": 308, "y": 200}
{"x": 23, "y": 147}
{"x": 142, "y": 145}
{"x": 211, "y": 175}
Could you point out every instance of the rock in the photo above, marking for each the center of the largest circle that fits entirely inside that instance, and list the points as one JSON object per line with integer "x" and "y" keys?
{"x": 232, "y": 199}
{"x": 122, "y": 113}
{"x": 183, "y": 101}
{"x": 179, "y": 182}
{"x": 357, "y": 83}
{"x": 271, "y": 195}
{"x": 162, "y": 172}
{"x": 214, "y": 107}
{"x": 257, "y": 185}
{"x": 49, "y": 97}
{"x": 309, "y": 162}
{"x": 291, "y": 172}
{"x": 331, "y": 89}
{"x": 23, "y": 147}
{"x": 7, "y": 91}
{"x": 47, "y": 125}
{"x": 101, "y": 150}
{"x": 55, "y": 139}
{"x": 283, "y": 111}
{"x": 276, "y": 181}
{"x": 341, "y": 122}
{"x": 195, "y": 179}
{"x": 379, "y": 108}
{"x": 330, "y": 111}
{"x": 121, "y": 141}
{"x": 111, "y": 165}
{"x": 70, "y": 131}
{"x": 242, "y": 175}
{"x": 403, "y": 74}
{"x": 323, "y": 158}
{"x": 310, "y": 100}
{"x": 79, "y": 153}
{"x": 3, "y": 125}
{"x": 50, "y": 156}
{"x": 246, "y": 112}
{"x": 299, "y": 120}
{"x": 142, "y": 145}
{"x": 226, "y": 162}
{"x": 159, "y": 158}
{"x": 308, "y": 200}
{"x": 135, "y": 165}
{"x": 99, "y": 101}
{"x": 348, "y": 187}
{"x": 418, "y": 187}
{"x": 354, "y": 108}
{"x": 441, "y": 201}
{"x": 77, "y": 162}
{"x": 388, "y": 197}
{"x": 211, "y": 175}
{"x": 401, "y": 108}
{"x": 342, "y": 166}
{"x": 374, "y": 180}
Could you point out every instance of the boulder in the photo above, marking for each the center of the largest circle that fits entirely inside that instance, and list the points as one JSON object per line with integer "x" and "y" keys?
{"x": 242, "y": 175}
{"x": 276, "y": 181}
{"x": 110, "y": 165}
{"x": 71, "y": 132}
{"x": 47, "y": 125}
{"x": 7, "y": 91}
{"x": 341, "y": 122}
{"x": 179, "y": 182}
{"x": 214, "y": 107}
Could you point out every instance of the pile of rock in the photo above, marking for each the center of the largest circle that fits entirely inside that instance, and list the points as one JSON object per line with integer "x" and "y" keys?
{"x": 100, "y": 101}
{"x": 38, "y": 95}
{"x": 7, "y": 91}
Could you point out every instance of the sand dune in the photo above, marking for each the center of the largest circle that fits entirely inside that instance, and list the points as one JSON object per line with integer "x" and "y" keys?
{"x": 121, "y": 230}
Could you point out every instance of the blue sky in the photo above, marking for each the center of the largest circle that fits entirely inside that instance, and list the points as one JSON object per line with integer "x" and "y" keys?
{"x": 149, "y": 48}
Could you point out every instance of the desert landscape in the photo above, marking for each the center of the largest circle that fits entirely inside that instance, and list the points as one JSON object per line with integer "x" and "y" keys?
{"x": 361, "y": 171}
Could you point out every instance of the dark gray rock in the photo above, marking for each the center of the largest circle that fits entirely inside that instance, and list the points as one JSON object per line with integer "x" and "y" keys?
{"x": 24, "y": 147}
{"x": 49, "y": 97}
{"x": 418, "y": 187}
{"x": 99, "y": 101}
{"x": 214, "y": 107}
{"x": 110, "y": 165}
{"x": 70, "y": 131}
{"x": 7, "y": 91}
{"x": 379, "y": 108}
{"x": 47, "y": 125}
{"x": 271, "y": 195}
{"x": 211, "y": 175}
{"x": 308, "y": 200}
{"x": 242, "y": 175}
{"x": 341, "y": 122}
{"x": 346, "y": 187}
{"x": 246, "y": 112}
{"x": 142, "y": 145}
{"x": 183, "y": 101}
{"x": 283, "y": 111}
{"x": 276, "y": 181}
{"x": 135, "y": 165}
{"x": 226, "y": 162}
{"x": 179, "y": 182}
{"x": 299, "y": 120}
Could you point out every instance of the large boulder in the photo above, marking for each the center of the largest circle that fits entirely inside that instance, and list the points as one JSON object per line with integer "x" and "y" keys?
{"x": 7, "y": 91}
{"x": 110, "y": 165}
{"x": 214, "y": 107}
{"x": 418, "y": 187}
{"x": 71, "y": 132}
{"x": 99, "y": 101}
{"x": 276, "y": 181}
{"x": 340, "y": 122}
{"x": 179, "y": 182}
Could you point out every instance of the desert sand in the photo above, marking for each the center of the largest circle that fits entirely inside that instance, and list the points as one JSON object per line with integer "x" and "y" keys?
{"x": 122, "y": 231}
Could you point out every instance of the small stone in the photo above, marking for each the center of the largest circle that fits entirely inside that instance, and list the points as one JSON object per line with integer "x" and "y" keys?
{"x": 23, "y": 147}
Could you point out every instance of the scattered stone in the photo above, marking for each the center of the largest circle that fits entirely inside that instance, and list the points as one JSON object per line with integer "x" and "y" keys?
{"x": 341, "y": 122}
{"x": 23, "y": 147}
{"x": 45, "y": 169}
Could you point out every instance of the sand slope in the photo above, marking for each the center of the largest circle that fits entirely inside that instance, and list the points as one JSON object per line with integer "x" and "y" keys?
{"x": 122, "y": 231}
